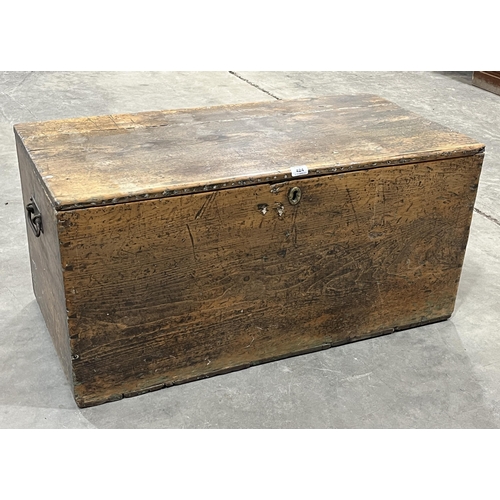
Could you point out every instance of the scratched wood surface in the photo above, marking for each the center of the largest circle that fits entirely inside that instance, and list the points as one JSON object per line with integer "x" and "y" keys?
{"x": 168, "y": 290}
{"x": 115, "y": 158}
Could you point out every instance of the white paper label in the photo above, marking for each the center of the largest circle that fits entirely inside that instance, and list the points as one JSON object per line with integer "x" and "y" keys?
{"x": 300, "y": 170}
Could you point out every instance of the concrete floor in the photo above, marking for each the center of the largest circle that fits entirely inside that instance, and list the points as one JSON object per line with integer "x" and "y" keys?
{"x": 445, "y": 375}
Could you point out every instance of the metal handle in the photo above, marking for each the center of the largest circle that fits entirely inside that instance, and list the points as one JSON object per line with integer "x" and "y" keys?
{"x": 34, "y": 217}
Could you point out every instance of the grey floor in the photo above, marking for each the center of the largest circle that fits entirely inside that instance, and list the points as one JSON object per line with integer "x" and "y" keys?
{"x": 445, "y": 375}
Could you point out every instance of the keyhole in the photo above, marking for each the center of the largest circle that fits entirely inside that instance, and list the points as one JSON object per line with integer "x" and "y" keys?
{"x": 294, "y": 195}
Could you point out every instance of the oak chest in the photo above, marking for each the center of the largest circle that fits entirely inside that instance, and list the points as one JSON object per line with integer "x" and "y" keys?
{"x": 169, "y": 246}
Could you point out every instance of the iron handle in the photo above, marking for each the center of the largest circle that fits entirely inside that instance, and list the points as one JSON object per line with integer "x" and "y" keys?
{"x": 34, "y": 217}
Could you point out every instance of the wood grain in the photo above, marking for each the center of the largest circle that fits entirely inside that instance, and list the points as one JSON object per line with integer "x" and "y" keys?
{"x": 117, "y": 158}
{"x": 163, "y": 291}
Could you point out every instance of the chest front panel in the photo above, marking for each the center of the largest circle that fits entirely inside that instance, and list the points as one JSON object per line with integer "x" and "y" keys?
{"x": 163, "y": 291}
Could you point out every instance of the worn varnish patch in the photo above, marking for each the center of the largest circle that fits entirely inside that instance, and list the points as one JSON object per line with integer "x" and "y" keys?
{"x": 155, "y": 283}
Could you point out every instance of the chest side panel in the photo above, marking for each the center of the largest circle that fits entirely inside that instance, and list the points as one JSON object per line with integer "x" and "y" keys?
{"x": 45, "y": 259}
{"x": 169, "y": 290}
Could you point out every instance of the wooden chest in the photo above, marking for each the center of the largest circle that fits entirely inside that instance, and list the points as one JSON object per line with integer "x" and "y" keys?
{"x": 170, "y": 246}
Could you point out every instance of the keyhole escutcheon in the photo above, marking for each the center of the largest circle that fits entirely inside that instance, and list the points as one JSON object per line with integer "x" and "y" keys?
{"x": 294, "y": 195}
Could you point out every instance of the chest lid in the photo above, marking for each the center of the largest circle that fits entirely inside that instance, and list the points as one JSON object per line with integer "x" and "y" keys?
{"x": 118, "y": 158}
